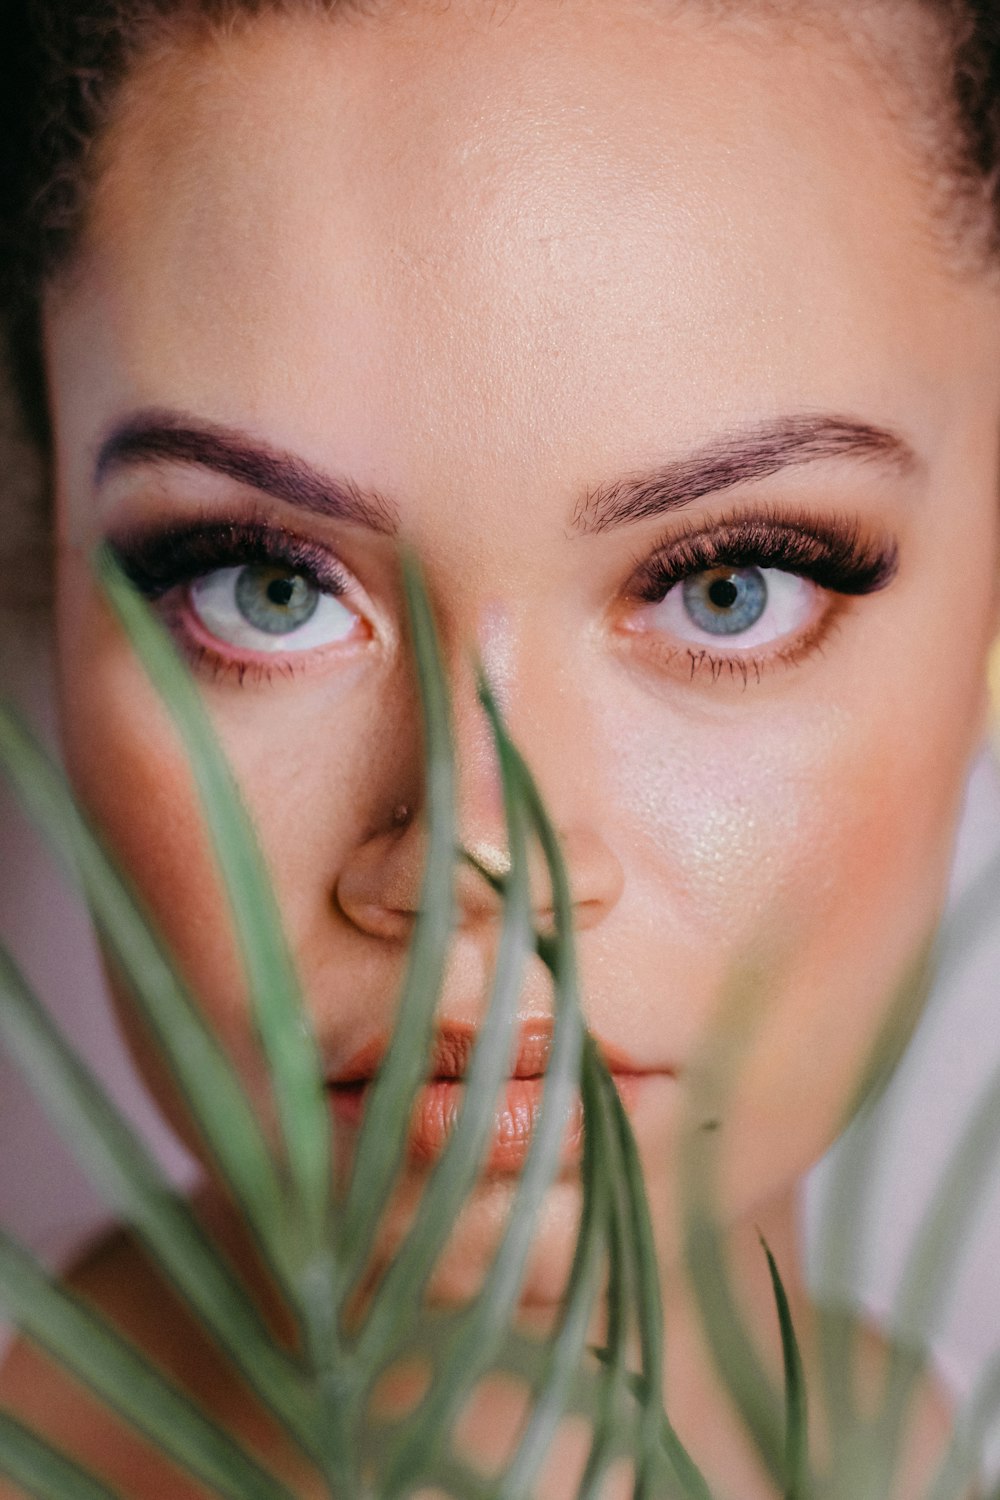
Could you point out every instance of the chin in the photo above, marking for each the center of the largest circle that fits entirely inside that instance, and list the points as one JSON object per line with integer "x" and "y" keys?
{"x": 469, "y": 1252}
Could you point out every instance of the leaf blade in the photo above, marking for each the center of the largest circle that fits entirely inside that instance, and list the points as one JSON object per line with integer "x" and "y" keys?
{"x": 120, "y": 1165}
{"x": 286, "y": 1035}
{"x": 126, "y": 1381}
{"x": 480, "y": 1332}
{"x": 41, "y": 1469}
{"x": 797, "y": 1482}
{"x": 459, "y": 1164}
{"x": 200, "y": 1069}
{"x": 382, "y": 1140}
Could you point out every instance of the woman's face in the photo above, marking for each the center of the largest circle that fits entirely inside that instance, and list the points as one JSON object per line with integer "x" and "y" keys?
{"x": 643, "y": 332}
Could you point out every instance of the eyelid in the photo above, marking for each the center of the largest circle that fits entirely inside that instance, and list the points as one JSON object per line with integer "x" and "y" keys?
{"x": 159, "y": 559}
{"x": 837, "y": 555}
{"x": 164, "y": 562}
{"x": 837, "y": 552}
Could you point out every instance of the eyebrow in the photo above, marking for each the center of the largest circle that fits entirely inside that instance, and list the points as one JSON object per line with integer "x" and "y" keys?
{"x": 158, "y": 436}
{"x": 739, "y": 458}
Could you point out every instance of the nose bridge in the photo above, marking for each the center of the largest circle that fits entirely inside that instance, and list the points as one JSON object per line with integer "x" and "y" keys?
{"x": 534, "y": 707}
{"x": 380, "y": 888}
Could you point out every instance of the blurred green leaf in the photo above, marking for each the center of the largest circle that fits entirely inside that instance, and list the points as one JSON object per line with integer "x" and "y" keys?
{"x": 382, "y": 1142}
{"x": 294, "y": 1065}
{"x": 41, "y": 1469}
{"x": 203, "y": 1073}
{"x": 798, "y": 1484}
{"x": 126, "y": 1380}
{"x": 121, "y": 1166}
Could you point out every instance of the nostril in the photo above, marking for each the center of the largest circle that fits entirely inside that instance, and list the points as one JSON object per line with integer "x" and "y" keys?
{"x": 380, "y": 921}
{"x": 378, "y": 889}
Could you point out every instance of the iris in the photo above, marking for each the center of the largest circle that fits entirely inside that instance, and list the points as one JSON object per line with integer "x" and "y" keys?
{"x": 274, "y": 600}
{"x": 725, "y": 601}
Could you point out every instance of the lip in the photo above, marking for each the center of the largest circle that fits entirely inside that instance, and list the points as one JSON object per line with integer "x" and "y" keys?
{"x": 439, "y": 1100}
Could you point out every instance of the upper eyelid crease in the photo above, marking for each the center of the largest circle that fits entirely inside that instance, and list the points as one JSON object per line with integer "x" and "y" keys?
{"x": 836, "y": 553}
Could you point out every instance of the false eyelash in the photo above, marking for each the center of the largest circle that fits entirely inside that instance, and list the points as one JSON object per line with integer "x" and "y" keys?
{"x": 833, "y": 554}
{"x": 158, "y": 560}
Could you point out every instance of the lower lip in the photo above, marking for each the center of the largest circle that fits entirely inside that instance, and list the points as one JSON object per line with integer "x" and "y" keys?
{"x": 437, "y": 1107}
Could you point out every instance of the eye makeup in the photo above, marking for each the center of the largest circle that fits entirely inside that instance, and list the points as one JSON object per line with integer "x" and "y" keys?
{"x": 783, "y": 556}
{"x": 183, "y": 567}
{"x": 832, "y": 553}
{"x": 160, "y": 558}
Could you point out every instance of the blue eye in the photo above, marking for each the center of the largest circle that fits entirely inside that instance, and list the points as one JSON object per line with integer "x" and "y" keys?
{"x": 273, "y": 599}
{"x": 726, "y": 601}
{"x": 268, "y": 608}
{"x": 738, "y": 607}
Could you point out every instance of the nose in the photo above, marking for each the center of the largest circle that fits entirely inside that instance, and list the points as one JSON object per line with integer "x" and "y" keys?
{"x": 378, "y": 888}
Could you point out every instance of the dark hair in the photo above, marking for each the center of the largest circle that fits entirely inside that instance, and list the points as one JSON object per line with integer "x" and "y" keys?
{"x": 63, "y": 61}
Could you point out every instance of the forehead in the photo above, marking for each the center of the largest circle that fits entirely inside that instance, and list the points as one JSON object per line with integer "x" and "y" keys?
{"x": 571, "y": 222}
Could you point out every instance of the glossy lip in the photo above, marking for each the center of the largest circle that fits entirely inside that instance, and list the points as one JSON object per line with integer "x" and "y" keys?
{"x": 438, "y": 1102}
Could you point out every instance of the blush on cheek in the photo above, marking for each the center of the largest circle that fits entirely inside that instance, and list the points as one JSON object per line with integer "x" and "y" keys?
{"x": 725, "y": 834}
{"x": 791, "y": 819}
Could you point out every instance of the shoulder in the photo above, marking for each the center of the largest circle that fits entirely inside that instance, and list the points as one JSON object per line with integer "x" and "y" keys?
{"x": 116, "y": 1278}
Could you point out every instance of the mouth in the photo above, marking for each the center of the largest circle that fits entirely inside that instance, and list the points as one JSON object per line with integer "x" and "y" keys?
{"x": 438, "y": 1102}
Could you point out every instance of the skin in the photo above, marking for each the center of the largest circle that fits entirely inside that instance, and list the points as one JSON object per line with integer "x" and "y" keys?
{"x": 568, "y": 244}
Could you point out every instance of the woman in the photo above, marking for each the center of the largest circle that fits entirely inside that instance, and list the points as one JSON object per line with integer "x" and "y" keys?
{"x": 668, "y": 334}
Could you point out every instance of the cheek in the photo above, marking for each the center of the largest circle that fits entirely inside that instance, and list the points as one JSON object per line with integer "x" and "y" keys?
{"x": 794, "y": 862}
{"x": 129, "y": 771}
{"x": 768, "y": 820}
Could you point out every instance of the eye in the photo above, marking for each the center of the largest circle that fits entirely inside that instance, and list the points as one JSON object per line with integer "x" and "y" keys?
{"x": 264, "y": 607}
{"x": 742, "y": 607}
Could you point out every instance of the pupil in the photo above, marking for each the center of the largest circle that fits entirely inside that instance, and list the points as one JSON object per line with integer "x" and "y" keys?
{"x": 280, "y": 590}
{"x": 723, "y": 593}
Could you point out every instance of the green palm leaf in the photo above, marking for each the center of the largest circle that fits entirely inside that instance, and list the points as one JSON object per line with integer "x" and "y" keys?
{"x": 456, "y": 1171}
{"x": 798, "y": 1483}
{"x": 117, "y": 1372}
{"x": 203, "y": 1073}
{"x": 132, "y": 1181}
{"x": 293, "y": 1062}
{"x": 382, "y": 1141}
{"x": 319, "y": 1251}
{"x": 42, "y": 1470}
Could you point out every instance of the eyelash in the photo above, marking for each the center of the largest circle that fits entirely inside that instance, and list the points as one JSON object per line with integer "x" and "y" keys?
{"x": 834, "y": 554}
{"x": 159, "y": 561}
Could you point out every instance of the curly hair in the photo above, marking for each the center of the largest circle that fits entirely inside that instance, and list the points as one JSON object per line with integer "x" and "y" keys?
{"x": 62, "y": 64}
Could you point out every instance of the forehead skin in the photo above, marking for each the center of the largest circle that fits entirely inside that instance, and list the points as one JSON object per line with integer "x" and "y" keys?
{"x": 721, "y": 208}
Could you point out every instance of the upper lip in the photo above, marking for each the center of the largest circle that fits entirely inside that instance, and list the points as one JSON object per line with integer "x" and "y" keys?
{"x": 452, "y": 1049}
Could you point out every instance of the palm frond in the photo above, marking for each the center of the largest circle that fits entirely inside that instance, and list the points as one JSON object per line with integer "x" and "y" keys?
{"x": 125, "y": 1379}
{"x": 43, "y": 1471}
{"x": 319, "y": 1247}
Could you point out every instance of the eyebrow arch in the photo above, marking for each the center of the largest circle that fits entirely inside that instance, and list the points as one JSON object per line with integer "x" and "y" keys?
{"x": 738, "y": 458}
{"x": 160, "y": 436}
